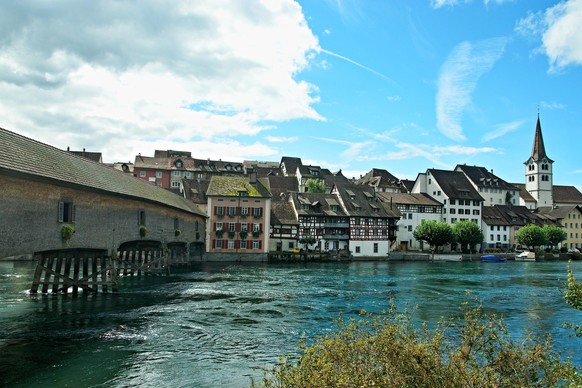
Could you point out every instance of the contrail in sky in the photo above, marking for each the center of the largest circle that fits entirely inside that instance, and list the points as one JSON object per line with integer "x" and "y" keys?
{"x": 358, "y": 64}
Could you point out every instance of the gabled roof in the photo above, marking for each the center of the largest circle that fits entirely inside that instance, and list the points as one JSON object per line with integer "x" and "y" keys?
{"x": 282, "y": 213}
{"x": 567, "y": 194}
{"x": 493, "y": 215}
{"x": 520, "y": 216}
{"x": 538, "y": 151}
{"x": 558, "y": 212}
{"x": 408, "y": 199}
{"x": 361, "y": 201}
{"x": 481, "y": 177}
{"x": 455, "y": 184}
{"x": 291, "y": 164}
{"x": 407, "y": 184}
{"x": 234, "y": 186}
{"x": 282, "y": 185}
{"x": 94, "y": 156}
{"x": 378, "y": 177}
{"x": 316, "y": 204}
{"x": 38, "y": 161}
{"x": 524, "y": 194}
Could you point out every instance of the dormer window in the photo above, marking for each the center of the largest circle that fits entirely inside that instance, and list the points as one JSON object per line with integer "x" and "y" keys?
{"x": 179, "y": 164}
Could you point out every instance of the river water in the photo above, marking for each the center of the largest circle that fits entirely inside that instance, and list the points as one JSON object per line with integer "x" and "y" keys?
{"x": 217, "y": 325}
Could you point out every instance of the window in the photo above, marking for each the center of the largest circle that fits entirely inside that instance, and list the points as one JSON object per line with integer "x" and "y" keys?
{"x": 375, "y": 247}
{"x": 218, "y": 244}
{"x": 219, "y": 211}
{"x": 219, "y": 226}
{"x": 256, "y": 227}
{"x": 141, "y": 217}
{"x": 491, "y": 238}
{"x": 291, "y": 245}
{"x": 231, "y": 227}
{"x": 176, "y": 223}
{"x": 255, "y": 244}
{"x": 410, "y": 228}
{"x": 243, "y": 244}
{"x": 453, "y": 202}
{"x": 158, "y": 174}
{"x": 179, "y": 163}
{"x": 66, "y": 211}
{"x": 257, "y": 212}
{"x": 244, "y": 227}
{"x": 230, "y": 244}
{"x": 187, "y": 174}
{"x": 231, "y": 211}
{"x": 176, "y": 173}
{"x": 244, "y": 211}
{"x": 357, "y": 249}
{"x": 142, "y": 173}
{"x": 452, "y": 211}
{"x": 175, "y": 183}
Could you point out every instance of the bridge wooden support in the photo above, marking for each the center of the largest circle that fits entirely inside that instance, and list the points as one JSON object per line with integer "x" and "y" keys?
{"x": 94, "y": 270}
{"x": 71, "y": 270}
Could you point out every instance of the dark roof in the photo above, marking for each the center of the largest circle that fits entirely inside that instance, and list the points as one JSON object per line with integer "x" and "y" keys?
{"x": 482, "y": 177}
{"x": 455, "y": 184}
{"x": 361, "y": 201}
{"x": 493, "y": 215}
{"x": 283, "y": 213}
{"x": 282, "y": 185}
{"x": 523, "y": 193}
{"x": 557, "y": 212}
{"x": 230, "y": 186}
{"x": 379, "y": 178}
{"x": 94, "y": 156}
{"x": 538, "y": 151}
{"x": 407, "y": 184}
{"x": 408, "y": 199}
{"x": 163, "y": 161}
{"x": 521, "y": 215}
{"x": 43, "y": 162}
{"x": 291, "y": 164}
{"x": 567, "y": 194}
{"x": 195, "y": 190}
{"x": 318, "y": 204}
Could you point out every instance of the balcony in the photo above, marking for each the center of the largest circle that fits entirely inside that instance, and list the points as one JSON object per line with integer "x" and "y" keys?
{"x": 336, "y": 225}
{"x": 330, "y": 237}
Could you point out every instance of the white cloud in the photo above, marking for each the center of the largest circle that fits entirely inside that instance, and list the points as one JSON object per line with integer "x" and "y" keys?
{"x": 394, "y": 98}
{"x": 552, "y": 105}
{"x": 459, "y": 75}
{"x": 451, "y": 3}
{"x": 354, "y": 150}
{"x": 562, "y": 40}
{"x": 100, "y": 75}
{"x": 281, "y": 139}
{"x": 502, "y": 129}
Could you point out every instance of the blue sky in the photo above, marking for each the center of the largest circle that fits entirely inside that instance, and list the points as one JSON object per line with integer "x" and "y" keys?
{"x": 344, "y": 84}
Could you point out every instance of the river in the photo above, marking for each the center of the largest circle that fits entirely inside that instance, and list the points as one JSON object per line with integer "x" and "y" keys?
{"x": 217, "y": 325}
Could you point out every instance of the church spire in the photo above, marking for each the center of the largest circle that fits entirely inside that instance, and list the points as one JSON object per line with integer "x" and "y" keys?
{"x": 538, "y": 151}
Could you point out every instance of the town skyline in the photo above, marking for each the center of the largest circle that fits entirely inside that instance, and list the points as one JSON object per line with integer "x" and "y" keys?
{"x": 340, "y": 84}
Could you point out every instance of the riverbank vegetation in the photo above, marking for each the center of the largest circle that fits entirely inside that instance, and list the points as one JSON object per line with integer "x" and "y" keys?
{"x": 391, "y": 350}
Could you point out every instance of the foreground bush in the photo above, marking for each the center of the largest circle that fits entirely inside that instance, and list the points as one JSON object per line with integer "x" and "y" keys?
{"x": 388, "y": 350}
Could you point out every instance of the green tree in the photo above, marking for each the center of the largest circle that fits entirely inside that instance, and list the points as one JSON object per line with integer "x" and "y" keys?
{"x": 435, "y": 233}
{"x": 573, "y": 296}
{"x": 554, "y": 234}
{"x": 532, "y": 236}
{"x": 315, "y": 185}
{"x": 467, "y": 234}
{"x": 391, "y": 350}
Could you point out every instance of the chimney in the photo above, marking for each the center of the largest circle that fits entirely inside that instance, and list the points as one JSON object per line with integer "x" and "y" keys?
{"x": 252, "y": 176}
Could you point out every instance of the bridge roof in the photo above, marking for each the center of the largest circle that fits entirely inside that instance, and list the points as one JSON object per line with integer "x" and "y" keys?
{"x": 22, "y": 156}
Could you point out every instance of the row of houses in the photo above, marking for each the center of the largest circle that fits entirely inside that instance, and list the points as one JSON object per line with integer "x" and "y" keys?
{"x": 369, "y": 215}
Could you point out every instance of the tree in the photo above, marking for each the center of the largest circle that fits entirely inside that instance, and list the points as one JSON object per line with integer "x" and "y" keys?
{"x": 531, "y": 236}
{"x": 467, "y": 233}
{"x": 391, "y": 350}
{"x": 435, "y": 233}
{"x": 573, "y": 296}
{"x": 315, "y": 185}
{"x": 555, "y": 235}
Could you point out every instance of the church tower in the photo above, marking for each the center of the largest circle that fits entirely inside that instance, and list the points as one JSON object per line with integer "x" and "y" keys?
{"x": 538, "y": 171}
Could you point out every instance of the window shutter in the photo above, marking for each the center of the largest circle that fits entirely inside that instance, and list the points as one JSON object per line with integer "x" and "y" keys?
{"x": 260, "y": 244}
{"x": 260, "y": 227}
{"x": 215, "y": 210}
{"x": 61, "y": 211}
{"x": 73, "y": 213}
{"x": 213, "y": 244}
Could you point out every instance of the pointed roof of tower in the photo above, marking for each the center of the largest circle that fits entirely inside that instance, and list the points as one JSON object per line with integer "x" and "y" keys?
{"x": 538, "y": 151}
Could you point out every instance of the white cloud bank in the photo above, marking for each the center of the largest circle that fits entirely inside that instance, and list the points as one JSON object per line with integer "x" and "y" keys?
{"x": 103, "y": 75}
{"x": 459, "y": 75}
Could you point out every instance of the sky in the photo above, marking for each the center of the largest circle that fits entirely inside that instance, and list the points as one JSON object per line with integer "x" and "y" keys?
{"x": 343, "y": 84}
